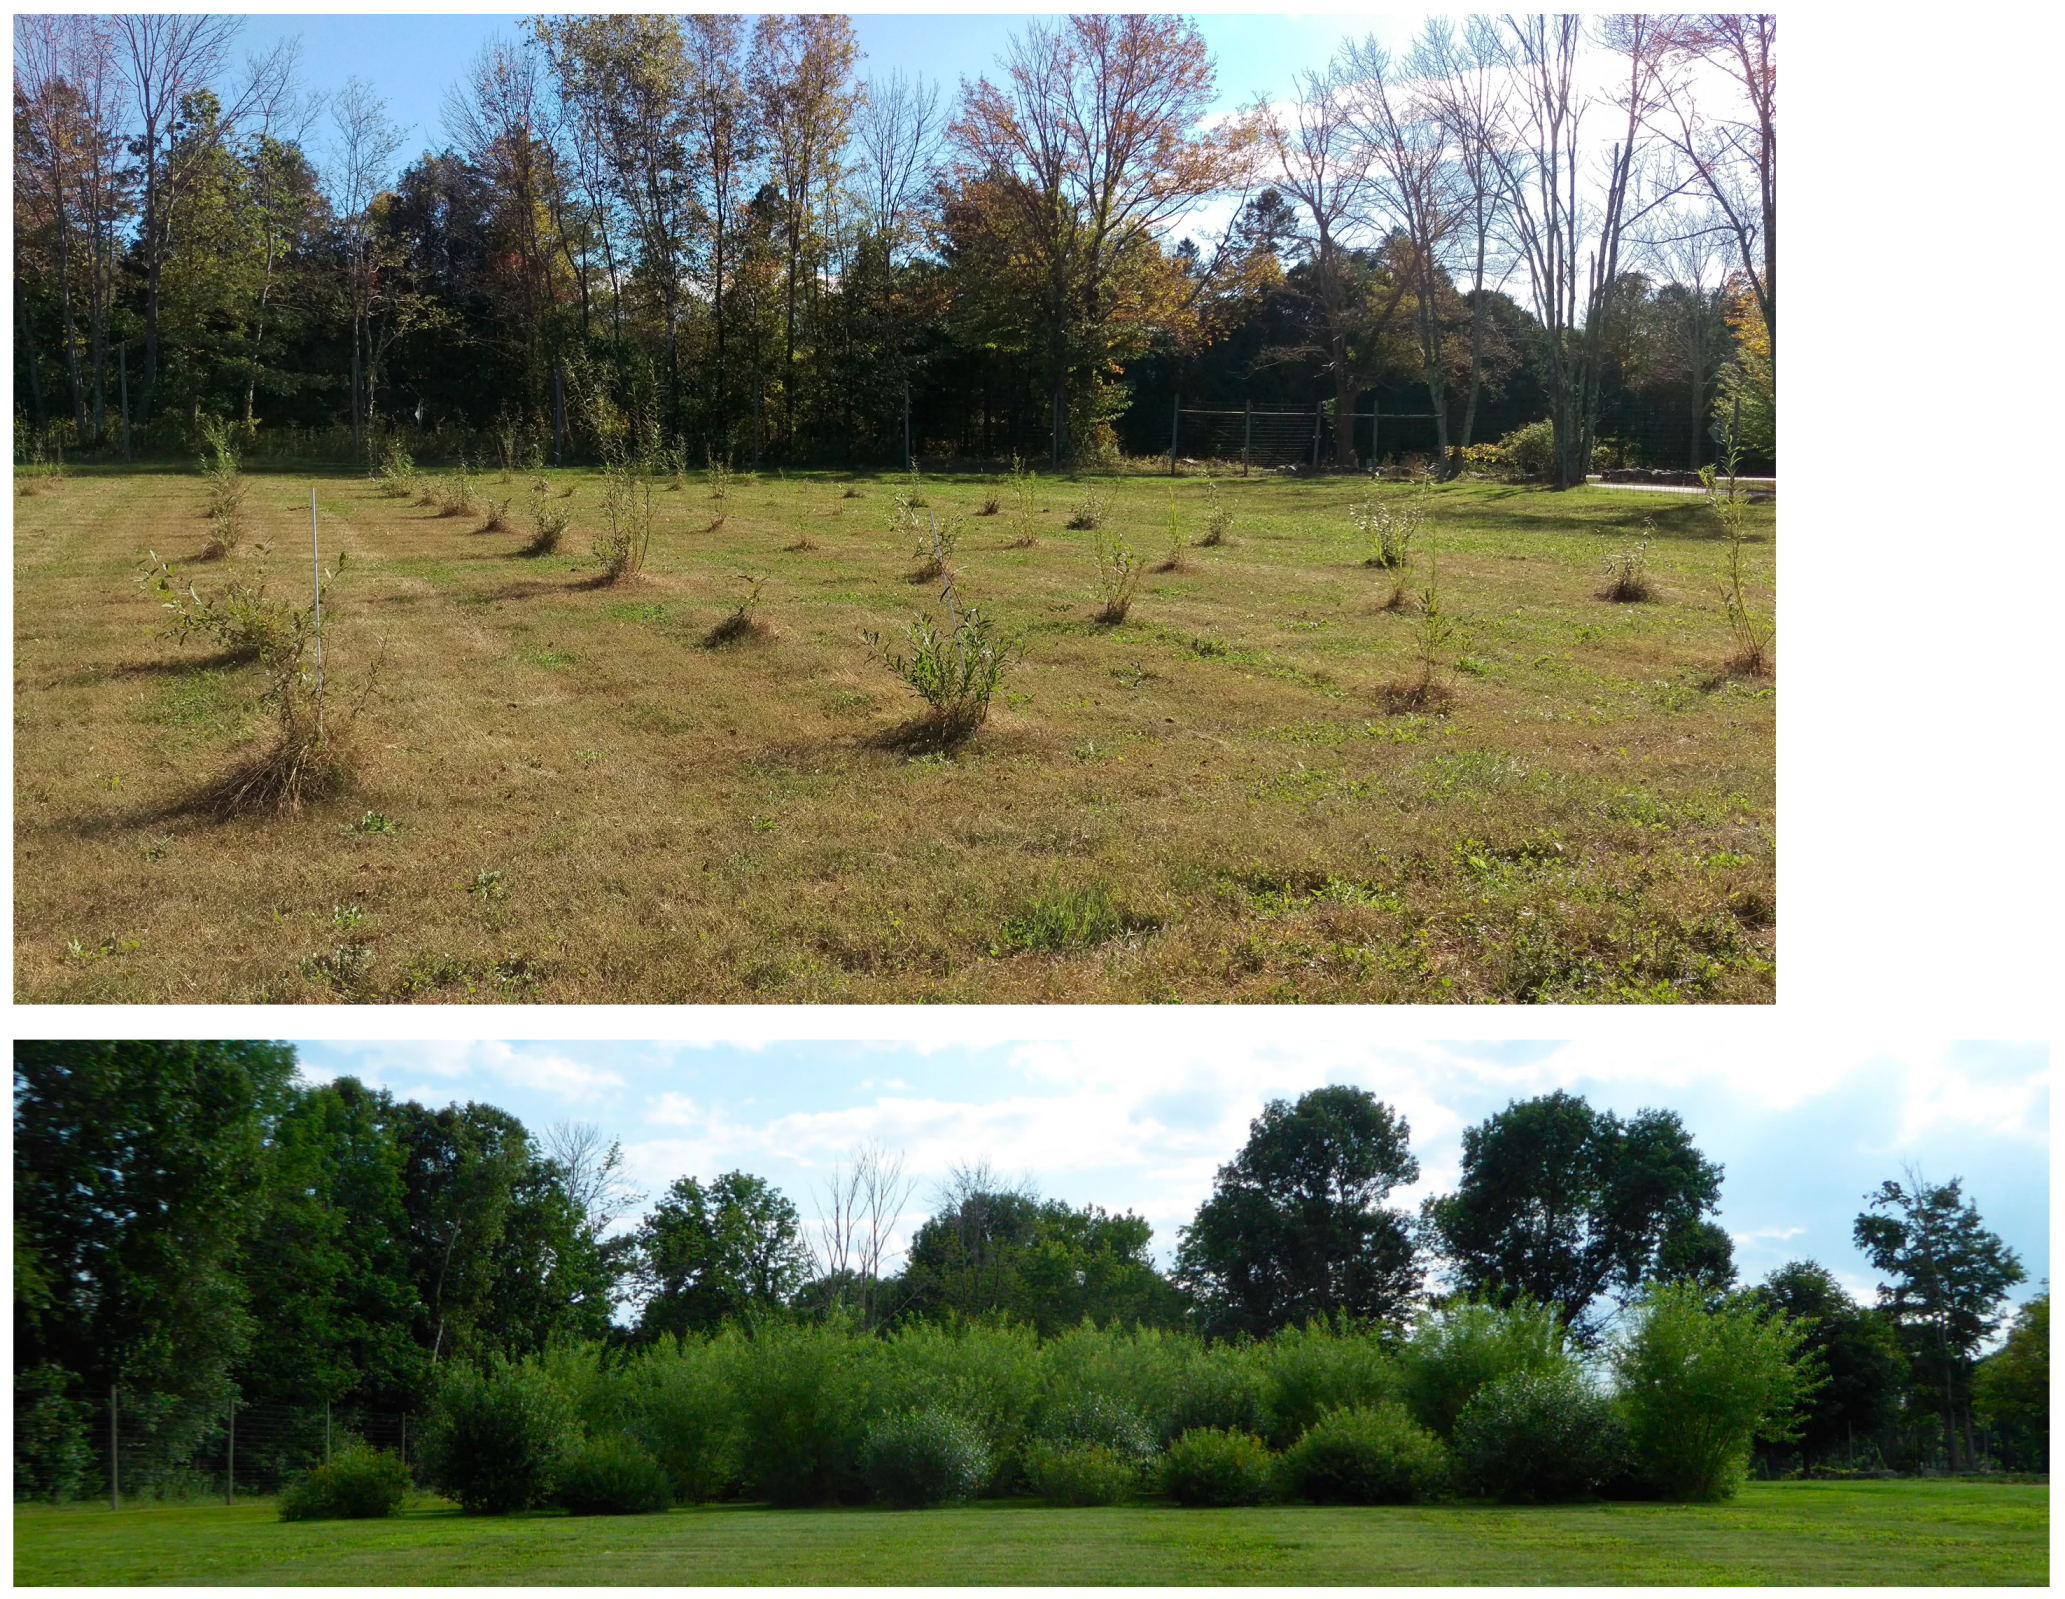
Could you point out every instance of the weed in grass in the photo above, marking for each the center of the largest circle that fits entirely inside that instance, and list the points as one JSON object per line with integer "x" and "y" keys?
{"x": 347, "y": 918}
{"x": 548, "y": 522}
{"x": 1752, "y": 633}
{"x": 1090, "y": 511}
{"x": 372, "y": 824}
{"x": 1218, "y": 517}
{"x": 1627, "y": 577}
{"x": 627, "y": 522}
{"x": 156, "y": 849}
{"x": 955, "y": 672}
{"x": 741, "y": 623}
{"x": 851, "y": 492}
{"x": 347, "y": 969}
{"x": 1118, "y": 575}
{"x": 1064, "y": 919}
{"x": 488, "y": 884}
{"x": 1387, "y": 524}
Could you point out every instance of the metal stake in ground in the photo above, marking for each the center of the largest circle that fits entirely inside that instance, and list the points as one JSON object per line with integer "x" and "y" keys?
{"x": 316, "y": 559}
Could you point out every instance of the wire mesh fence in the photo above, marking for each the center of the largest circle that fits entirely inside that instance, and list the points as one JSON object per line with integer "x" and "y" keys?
{"x": 1248, "y": 439}
{"x": 128, "y": 1448}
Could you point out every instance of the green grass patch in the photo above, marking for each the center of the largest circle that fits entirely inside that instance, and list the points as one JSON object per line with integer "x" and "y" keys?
{"x": 1778, "y": 1534}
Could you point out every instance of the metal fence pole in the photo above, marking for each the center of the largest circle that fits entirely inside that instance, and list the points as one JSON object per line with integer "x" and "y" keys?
{"x": 1247, "y": 437}
{"x": 1175, "y": 424}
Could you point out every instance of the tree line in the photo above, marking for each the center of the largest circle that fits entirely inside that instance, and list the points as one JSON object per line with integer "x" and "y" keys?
{"x": 192, "y": 1223}
{"x": 712, "y": 234}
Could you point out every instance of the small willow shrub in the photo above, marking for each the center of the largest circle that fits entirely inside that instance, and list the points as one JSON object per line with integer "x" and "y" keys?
{"x": 925, "y": 1457}
{"x": 611, "y": 1476}
{"x": 358, "y": 1484}
{"x": 1538, "y": 1435}
{"x": 1081, "y": 1474}
{"x": 1207, "y": 1467}
{"x": 1375, "y": 1455}
{"x": 1102, "y": 1422}
{"x": 1454, "y": 1352}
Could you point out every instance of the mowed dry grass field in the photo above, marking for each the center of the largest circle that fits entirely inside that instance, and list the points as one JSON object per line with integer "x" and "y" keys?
{"x": 1208, "y": 802}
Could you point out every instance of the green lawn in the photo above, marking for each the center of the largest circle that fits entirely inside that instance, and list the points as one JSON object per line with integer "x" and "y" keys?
{"x": 1793, "y": 1533}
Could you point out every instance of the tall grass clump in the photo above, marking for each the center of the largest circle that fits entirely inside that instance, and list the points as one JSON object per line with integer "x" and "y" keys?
{"x": 1699, "y": 1387}
{"x": 1118, "y": 576}
{"x": 1538, "y": 1435}
{"x": 222, "y": 472}
{"x": 1366, "y": 1455}
{"x": 355, "y": 1484}
{"x": 626, "y": 522}
{"x": 1627, "y": 573}
{"x": 955, "y": 672}
{"x": 455, "y": 491}
{"x": 497, "y": 1436}
{"x": 920, "y": 1457}
{"x": 1456, "y": 1351}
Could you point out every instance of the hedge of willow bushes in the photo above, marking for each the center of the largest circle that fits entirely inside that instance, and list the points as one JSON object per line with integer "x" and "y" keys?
{"x": 1476, "y": 1401}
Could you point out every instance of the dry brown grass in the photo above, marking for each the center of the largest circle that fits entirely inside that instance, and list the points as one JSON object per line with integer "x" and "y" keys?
{"x": 1592, "y": 818}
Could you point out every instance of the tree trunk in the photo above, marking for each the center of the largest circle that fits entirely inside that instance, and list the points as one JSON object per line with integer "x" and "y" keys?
{"x": 21, "y": 320}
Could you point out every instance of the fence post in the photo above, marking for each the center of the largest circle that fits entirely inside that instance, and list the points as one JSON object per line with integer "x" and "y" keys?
{"x": 1175, "y": 423}
{"x": 229, "y": 1466}
{"x": 114, "y": 1452}
{"x": 1315, "y": 438}
{"x": 1247, "y": 437}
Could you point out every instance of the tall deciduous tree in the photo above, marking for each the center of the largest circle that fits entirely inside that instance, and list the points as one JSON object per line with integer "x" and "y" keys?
{"x": 1947, "y": 1278}
{"x": 1296, "y": 1227}
{"x": 708, "y": 1252}
{"x": 1850, "y": 1346}
{"x": 1097, "y": 142}
{"x": 1560, "y": 1203}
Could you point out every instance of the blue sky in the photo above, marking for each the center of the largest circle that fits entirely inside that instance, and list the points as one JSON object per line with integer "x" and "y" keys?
{"x": 1139, "y": 1121}
{"x": 414, "y": 59}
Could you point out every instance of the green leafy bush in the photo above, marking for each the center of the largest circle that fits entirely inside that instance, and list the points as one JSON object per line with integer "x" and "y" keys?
{"x": 1698, "y": 1388}
{"x": 51, "y": 1451}
{"x": 1081, "y": 1474}
{"x": 497, "y": 1436}
{"x": 1531, "y": 451}
{"x": 1538, "y": 1435}
{"x": 1221, "y": 1386}
{"x": 1309, "y": 1370}
{"x": 1457, "y": 1351}
{"x": 801, "y": 1401}
{"x": 680, "y": 1409}
{"x": 357, "y": 1484}
{"x": 925, "y": 1457}
{"x": 1374, "y": 1455}
{"x": 956, "y": 672}
{"x": 1208, "y": 1467}
{"x": 994, "y": 1376}
{"x": 1103, "y": 1422}
{"x": 611, "y": 1476}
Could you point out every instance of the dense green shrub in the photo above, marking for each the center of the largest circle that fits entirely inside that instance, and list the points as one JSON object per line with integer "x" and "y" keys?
{"x": 679, "y": 1403}
{"x": 1454, "y": 1353}
{"x": 1698, "y": 1387}
{"x": 1099, "y": 1420}
{"x": 1220, "y": 1386}
{"x": 356, "y": 1484}
{"x": 611, "y": 1476}
{"x": 1209, "y": 1467}
{"x": 800, "y": 1396}
{"x": 1081, "y": 1474}
{"x": 925, "y": 1457}
{"x": 1307, "y": 1371}
{"x": 1140, "y": 1369}
{"x": 994, "y": 1376}
{"x": 1531, "y": 451}
{"x": 1538, "y": 1435}
{"x": 497, "y": 1435}
{"x": 1373, "y": 1455}
{"x": 51, "y": 1453}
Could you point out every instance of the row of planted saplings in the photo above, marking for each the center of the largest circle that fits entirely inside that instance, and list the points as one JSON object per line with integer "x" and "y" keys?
{"x": 1475, "y": 1402}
